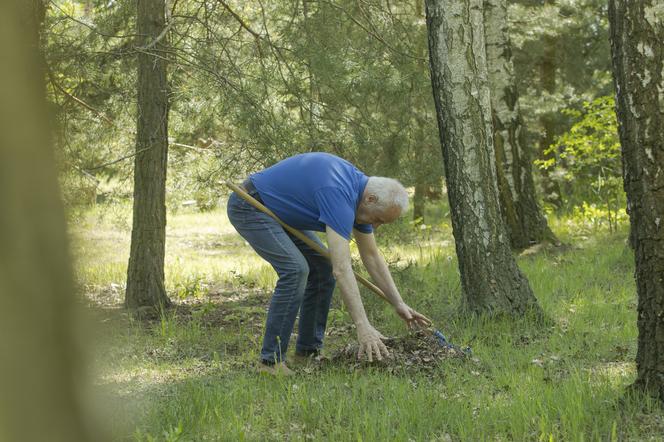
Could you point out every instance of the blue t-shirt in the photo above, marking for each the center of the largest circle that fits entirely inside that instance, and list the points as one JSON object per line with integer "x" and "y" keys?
{"x": 311, "y": 190}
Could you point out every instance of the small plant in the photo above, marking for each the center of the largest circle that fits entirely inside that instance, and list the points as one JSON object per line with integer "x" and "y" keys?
{"x": 191, "y": 287}
{"x": 203, "y": 310}
{"x": 594, "y": 217}
{"x": 338, "y": 317}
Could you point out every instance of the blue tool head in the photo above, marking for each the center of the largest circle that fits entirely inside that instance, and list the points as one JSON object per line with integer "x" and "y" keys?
{"x": 443, "y": 342}
{"x": 440, "y": 337}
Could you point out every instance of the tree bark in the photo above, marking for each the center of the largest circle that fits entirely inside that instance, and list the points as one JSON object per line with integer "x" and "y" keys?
{"x": 522, "y": 216}
{"x": 313, "y": 143}
{"x": 40, "y": 373}
{"x": 637, "y": 32}
{"x": 547, "y": 67}
{"x": 490, "y": 278}
{"x": 145, "y": 273}
{"x": 419, "y": 200}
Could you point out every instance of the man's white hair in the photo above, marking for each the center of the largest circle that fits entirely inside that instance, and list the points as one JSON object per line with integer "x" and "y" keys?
{"x": 389, "y": 192}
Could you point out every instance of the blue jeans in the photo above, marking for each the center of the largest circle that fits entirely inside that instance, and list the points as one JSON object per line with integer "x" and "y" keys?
{"x": 305, "y": 281}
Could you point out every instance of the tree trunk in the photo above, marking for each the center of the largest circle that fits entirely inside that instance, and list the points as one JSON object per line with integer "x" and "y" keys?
{"x": 418, "y": 200}
{"x": 145, "y": 273}
{"x": 547, "y": 66}
{"x": 307, "y": 115}
{"x": 637, "y": 32}
{"x": 522, "y": 216}
{"x": 40, "y": 372}
{"x": 490, "y": 278}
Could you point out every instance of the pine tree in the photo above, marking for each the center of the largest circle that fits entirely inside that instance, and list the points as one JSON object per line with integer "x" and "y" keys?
{"x": 145, "y": 273}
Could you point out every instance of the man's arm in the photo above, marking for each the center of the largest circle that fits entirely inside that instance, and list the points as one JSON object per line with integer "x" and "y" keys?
{"x": 377, "y": 267}
{"x": 368, "y": 337}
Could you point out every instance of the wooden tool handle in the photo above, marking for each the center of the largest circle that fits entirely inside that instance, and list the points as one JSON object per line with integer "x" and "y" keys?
{"x": 241, "y": 192}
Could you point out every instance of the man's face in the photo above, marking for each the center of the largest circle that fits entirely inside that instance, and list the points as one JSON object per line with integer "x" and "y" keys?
{"x": 368, "y": 215}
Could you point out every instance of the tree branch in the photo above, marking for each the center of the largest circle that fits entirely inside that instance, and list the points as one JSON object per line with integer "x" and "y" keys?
{"x": 169, "y": 24}
{"x": 239, "y": 20}
{"x": 78, "y": 100}
{"x": 88, "y": 25}
{"x": 187, "y": 146}
{"x": 372, "y": 33}
{"x": 160, "y": 37}
{"x": 119, "y": 159}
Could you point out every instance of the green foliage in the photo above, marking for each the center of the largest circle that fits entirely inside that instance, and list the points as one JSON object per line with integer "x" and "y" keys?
{"x": 191, "y": 287}
{"x": 562, "y": 59}
{"x": 117, "y": 212}
{"x": 586, "y": 160}
{"x": 90, "y": 84}
{"x": 339, "y": 77}
{"x": 344, "y": 77}
{"x": 590, "y": 217}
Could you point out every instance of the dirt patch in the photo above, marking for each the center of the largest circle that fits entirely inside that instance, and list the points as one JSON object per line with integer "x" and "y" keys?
{"x": 111, "y": 295}
{"x": 419, "y": 351}
{"x": 218, "y": 315}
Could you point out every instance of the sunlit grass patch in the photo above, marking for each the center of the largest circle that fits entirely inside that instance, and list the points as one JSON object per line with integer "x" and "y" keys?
{"x": 203, "y": 252}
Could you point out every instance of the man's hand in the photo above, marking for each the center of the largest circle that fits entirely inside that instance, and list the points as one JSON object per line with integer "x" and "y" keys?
{"x": 411, "y": 317}
{"x": 371, "y": 343}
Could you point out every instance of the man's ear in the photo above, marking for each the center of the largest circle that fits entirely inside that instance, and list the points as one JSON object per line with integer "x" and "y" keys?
{"x": 371, "y": 198}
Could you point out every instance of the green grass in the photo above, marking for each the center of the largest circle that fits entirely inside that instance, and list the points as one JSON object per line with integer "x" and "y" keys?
{"x": 188, "y": 376}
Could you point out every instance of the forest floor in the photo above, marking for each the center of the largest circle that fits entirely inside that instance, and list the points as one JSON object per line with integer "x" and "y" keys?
{"x": 190, "y": 373}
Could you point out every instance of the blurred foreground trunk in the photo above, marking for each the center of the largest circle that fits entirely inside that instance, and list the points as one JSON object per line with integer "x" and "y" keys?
{"x": 490, "y": 278}
{"x": 637, "y": 33}
{"x": 523, "y": 217}
{"x": 145, "y": 273}
{"x": 40, "y": 374}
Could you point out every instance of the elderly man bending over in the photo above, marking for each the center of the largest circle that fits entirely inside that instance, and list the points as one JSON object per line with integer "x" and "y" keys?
{"x": 319, "y": 192}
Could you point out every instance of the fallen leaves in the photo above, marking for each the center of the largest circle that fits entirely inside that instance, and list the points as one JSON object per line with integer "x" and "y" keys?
{"x": 418, "y": 351}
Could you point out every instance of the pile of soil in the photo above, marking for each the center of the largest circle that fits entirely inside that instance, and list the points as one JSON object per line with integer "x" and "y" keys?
{"x": 419, "y": 351}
